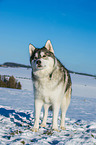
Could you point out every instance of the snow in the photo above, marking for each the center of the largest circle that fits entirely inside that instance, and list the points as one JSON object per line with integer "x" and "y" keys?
{"x": 17, "y": 113}
{"x": 83, "y": 86}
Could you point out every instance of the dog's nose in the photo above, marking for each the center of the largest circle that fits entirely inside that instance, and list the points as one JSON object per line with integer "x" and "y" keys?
{"x": 38, "y": 62}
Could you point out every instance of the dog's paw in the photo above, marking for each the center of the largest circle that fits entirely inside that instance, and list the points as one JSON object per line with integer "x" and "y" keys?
{"x": 34, "y": 129}
{"x": 62, "y": 127}
{"x": 55, "y": 129}
{"x": 43, "y": 125}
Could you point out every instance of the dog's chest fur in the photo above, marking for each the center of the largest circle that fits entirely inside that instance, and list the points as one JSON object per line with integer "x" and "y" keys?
{"x": 48, "y": 88}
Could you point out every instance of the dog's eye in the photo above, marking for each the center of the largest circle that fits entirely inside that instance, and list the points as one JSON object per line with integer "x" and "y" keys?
{"x": 47, "y": 53}
{"x": 44, "y": 55}
{"x": 35, "y": 57}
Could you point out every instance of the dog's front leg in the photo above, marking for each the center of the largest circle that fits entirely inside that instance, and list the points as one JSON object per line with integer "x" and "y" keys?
{"x": 38, "y": 106}
{"x": 46, "y": 107}
{"x": 55, "y": 116}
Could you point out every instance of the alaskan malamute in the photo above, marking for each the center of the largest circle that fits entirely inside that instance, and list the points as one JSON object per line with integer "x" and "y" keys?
{"x": 51, "y": 83}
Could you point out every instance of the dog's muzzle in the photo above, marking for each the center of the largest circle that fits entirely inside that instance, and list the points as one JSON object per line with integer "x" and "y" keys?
{"x": 38, "y": 63}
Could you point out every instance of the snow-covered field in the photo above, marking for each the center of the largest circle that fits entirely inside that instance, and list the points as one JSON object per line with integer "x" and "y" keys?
{"x": 17, "y": 113}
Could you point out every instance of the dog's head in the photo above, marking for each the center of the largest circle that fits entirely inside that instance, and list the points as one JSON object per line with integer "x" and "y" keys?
{"x": 42, "y": 60}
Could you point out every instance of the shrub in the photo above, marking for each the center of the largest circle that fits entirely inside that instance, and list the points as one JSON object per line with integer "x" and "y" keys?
{"x": 3, "y": 84}
{"x": 19, "y": 85}
{"x": 11, "y": 83}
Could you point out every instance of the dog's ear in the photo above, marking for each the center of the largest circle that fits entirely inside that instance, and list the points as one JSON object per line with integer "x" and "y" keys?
{"x": 31, "y": 49}
{"x": 48, "y": 45}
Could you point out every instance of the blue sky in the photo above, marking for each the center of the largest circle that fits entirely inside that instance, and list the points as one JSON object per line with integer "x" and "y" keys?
{"x": 69, "y": 24}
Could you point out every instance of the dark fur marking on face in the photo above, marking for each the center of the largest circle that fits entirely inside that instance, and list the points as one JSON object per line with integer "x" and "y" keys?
{"x": 33, "y": 55}
{"x": 39, "y": 50}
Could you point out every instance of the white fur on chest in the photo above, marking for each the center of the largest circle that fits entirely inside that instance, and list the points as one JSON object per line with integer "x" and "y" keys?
{"x": 48, "y": 90}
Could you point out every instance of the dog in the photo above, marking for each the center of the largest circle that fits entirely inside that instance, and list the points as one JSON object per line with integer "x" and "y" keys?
{"x": 51, "y": 83}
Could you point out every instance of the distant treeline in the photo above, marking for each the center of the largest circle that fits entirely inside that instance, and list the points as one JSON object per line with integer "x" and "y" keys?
{"x": 9, "y": 83}
{"x": 84, "y": 74}
{"x": 11, "y": 64}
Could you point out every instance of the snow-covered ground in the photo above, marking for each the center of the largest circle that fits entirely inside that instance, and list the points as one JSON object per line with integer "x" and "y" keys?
{"x": 17, "y": 113}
